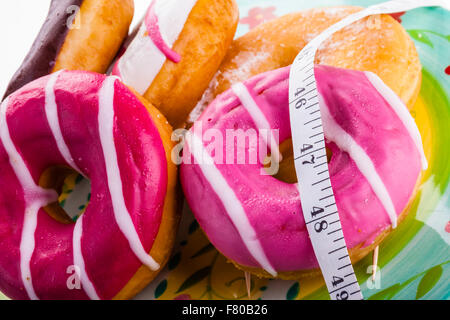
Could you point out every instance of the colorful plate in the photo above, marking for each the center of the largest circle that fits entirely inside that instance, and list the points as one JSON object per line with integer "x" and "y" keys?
{"x": 414, "y": 261}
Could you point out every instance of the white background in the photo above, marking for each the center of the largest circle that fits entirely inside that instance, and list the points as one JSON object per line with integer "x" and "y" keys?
{"x": 21, "y": 21}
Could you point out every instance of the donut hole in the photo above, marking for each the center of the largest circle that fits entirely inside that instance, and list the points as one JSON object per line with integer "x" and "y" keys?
{"x": 74, "y": 193}
{"x": 286, "y": 171}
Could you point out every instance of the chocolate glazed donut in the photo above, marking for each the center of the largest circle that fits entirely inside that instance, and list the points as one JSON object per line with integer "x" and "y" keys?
{"x": 76, "y": 35}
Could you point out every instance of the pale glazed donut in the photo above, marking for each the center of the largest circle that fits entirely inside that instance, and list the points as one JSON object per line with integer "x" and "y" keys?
{"x": 255, "y": 220}
{"x": 177, "y": 51}
{"x": 98, "y": 127}
{"x": 378, "y": 44}
{"x": 76, "y": 35}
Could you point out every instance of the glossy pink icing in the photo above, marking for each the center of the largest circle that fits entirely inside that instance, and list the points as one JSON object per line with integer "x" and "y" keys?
{"x": 116, "y": 70}
{"x": 154, "y": 32}
{"x": 109, "y": 261}
{"x": 272, "y": 206}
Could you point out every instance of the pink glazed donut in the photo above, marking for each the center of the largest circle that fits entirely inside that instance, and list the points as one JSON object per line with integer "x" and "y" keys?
{"x": 256, "y": 220}
{"x": 98, "y": 127}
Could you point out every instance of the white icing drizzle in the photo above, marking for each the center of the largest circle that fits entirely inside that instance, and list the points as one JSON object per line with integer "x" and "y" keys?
{"x": 51, "y": 111}
{"x": 402, "y": 112}
{"x": 78, "y": 261}
{"x": 346, "y": 143}
{"x": 121, "y": 214}
{"x": 142, "y": 61}
{"x": 35, "y": 197}
{"x": 258, "y": 117}
{"x": 230, "y": 202}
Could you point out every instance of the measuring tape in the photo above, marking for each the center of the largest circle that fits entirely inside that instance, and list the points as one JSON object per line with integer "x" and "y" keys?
{"x": 317, "y": 197}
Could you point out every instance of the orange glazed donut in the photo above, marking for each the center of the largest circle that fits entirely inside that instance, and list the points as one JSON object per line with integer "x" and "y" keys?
{"x": 97, "y": 126}
{"x": 76, "y": 35}
{"x": 378, "y": 44}
{"x": 177, "y": 51}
